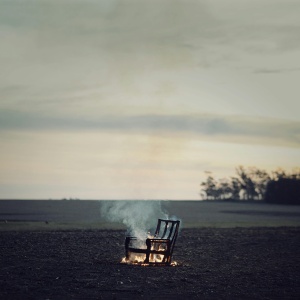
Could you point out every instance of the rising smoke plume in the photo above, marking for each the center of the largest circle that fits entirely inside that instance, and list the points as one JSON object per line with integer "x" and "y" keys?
{"x": 139, "y": 217}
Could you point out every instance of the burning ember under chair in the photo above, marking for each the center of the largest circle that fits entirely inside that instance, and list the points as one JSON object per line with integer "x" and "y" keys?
{"x": 155, "y": 250}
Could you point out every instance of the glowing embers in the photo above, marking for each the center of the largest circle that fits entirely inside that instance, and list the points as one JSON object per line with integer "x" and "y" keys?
{"x": 139, "y": 260}
{"x": 155, "y": 250}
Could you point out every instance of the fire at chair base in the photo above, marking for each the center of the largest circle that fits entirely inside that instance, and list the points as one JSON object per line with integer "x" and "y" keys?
{"x": 154, "y": 251}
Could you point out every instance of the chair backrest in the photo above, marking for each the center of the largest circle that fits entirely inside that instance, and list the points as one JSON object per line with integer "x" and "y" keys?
{"x": 167, "y": 229}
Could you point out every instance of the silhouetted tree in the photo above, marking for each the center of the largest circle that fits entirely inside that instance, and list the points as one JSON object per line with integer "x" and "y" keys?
{"x": 224, "y": 189}
{"x": 246, "y": 182}
{"x": 284, "y": 188}
{"x": 278, "y": 174}
{"x": 235, "y": 188}
{"x": 210, "y": 187}
{"x": 260, "y": 179}
{"x": 283, "y": 191}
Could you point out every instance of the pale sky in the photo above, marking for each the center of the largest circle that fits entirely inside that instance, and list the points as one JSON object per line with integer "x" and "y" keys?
{"x": 135, "y": 99}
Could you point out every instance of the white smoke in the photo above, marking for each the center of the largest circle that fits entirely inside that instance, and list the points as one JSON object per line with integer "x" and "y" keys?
{"x": 139, "y": 216}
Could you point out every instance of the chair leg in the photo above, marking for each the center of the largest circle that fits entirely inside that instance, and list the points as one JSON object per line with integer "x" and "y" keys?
{"x": 127, "y": 241}
{"x": 148, "y": 243}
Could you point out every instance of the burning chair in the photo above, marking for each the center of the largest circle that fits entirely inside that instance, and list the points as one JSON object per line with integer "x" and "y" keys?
{"x": 156, "y": 250}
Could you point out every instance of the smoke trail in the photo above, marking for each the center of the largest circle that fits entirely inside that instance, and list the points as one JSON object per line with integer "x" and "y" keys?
{"x": 138, "y": 216}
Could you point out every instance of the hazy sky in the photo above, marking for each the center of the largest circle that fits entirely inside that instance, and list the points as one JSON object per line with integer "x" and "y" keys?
{"x": 135, "y": 99}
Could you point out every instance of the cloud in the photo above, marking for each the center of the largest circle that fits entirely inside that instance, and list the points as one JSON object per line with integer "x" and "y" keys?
{"x": 271, "y": 71}
{"x": 207, "y": 31}
{"x": 244, "y": 129}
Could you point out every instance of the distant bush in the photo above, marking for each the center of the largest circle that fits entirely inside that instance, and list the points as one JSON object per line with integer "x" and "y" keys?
{"x": 283, "y": 191}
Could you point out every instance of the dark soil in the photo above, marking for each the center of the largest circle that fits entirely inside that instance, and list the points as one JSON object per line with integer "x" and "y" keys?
{"x": 240, "y": 263}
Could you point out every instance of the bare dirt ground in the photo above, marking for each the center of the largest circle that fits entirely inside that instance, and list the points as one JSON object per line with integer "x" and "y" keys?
{"x": 224, "y": 263}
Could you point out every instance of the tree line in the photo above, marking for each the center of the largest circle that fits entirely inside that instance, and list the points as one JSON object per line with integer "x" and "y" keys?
{"x": 251, "y": 183}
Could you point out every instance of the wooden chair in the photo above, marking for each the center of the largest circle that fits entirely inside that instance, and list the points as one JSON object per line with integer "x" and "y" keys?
{"x": 156, "y": 250}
